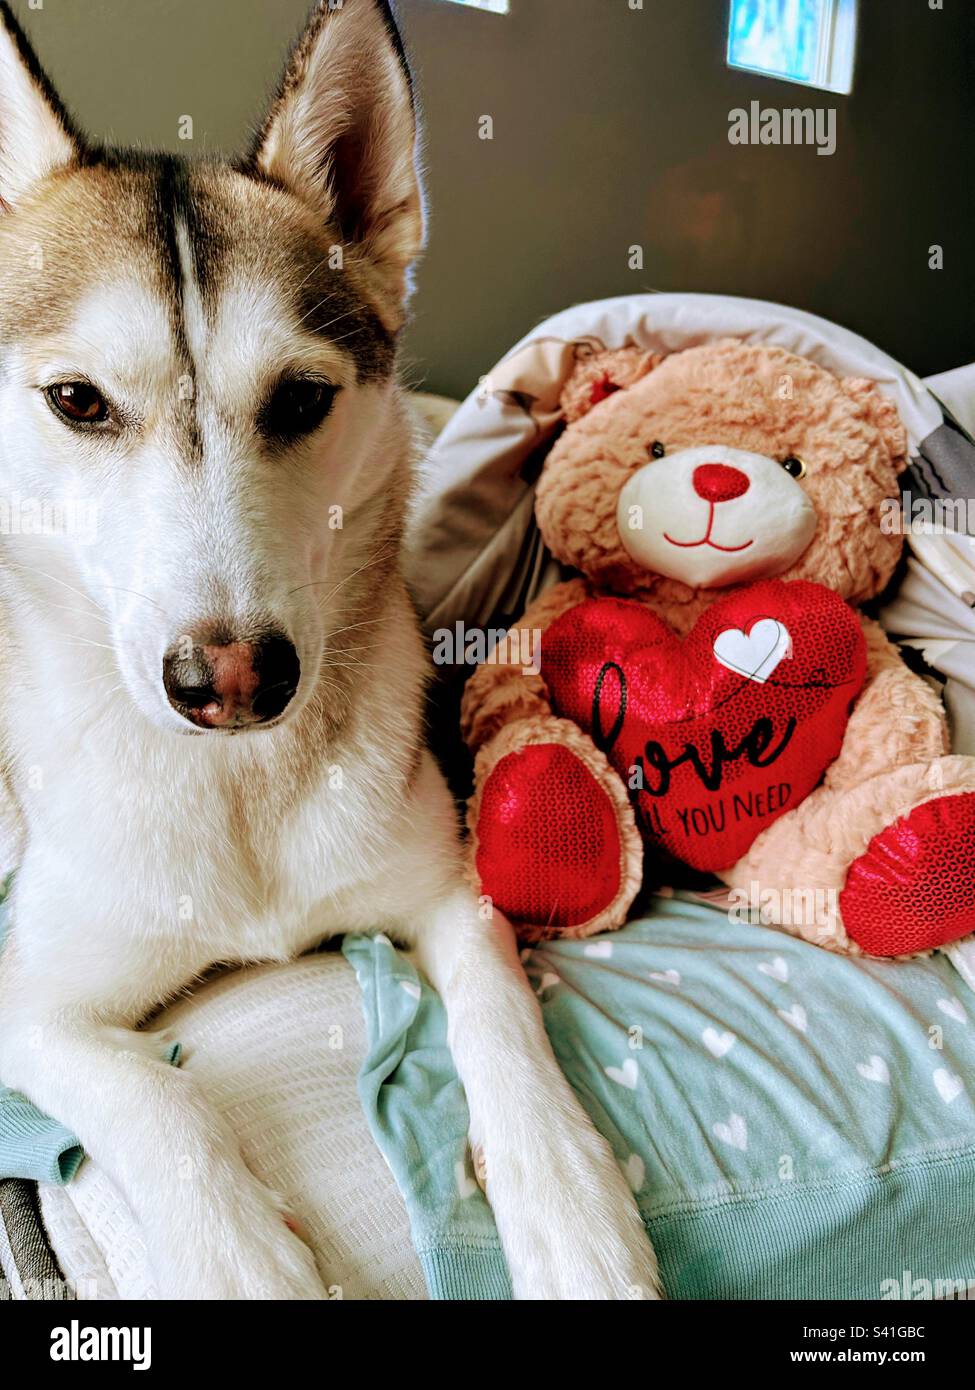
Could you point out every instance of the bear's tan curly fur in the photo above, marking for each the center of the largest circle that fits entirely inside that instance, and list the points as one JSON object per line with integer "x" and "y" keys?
{"x": 765, "y": 400}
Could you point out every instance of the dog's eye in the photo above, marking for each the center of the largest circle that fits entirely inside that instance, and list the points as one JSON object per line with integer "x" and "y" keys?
{"x": 297, "y": 407}
{"x": 794, "y": 466}
{"x": 657, "y": 450}
{"x": 78, "y": 402}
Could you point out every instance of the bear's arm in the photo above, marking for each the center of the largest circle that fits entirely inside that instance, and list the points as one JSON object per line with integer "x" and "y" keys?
{"x": 898, "y": 718}
{"x": 500, "y": 691}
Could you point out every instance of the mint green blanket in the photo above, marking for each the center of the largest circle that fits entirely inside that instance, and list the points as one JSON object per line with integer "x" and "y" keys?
{"x": 793, "y": 1124}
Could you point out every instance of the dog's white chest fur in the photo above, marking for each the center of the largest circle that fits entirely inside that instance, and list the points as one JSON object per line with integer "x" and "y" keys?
{"x": 218, "y": 850}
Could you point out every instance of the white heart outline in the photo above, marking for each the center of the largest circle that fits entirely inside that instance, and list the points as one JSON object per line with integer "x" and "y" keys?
{"x": 735, "y": 649}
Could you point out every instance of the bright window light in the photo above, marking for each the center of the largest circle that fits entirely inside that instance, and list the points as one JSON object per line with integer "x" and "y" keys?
{"x": 807, "y": 41}
{"x": 496, "y": 6}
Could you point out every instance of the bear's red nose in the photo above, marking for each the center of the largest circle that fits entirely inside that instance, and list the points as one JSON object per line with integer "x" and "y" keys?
{"x": 719, "y": 482}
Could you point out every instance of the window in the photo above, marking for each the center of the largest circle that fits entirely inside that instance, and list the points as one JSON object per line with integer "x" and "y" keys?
{"x": 496, "y": 6}
{"x": 806, "y": 41}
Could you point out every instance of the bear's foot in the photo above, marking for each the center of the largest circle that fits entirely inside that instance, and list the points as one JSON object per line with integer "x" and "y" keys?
{"x": 914, "y": 887}
{"x": 556, "y": 849}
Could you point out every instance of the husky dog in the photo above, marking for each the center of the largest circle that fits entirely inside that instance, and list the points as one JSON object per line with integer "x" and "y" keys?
{"x": 210, "y": 705}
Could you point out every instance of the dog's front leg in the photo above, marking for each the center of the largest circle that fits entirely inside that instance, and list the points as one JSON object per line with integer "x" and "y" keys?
{"x": 565, "y": 1214}
{"x": 212, "y": 1231}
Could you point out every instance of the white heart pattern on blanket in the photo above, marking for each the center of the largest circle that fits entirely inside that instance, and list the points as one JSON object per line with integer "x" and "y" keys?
{"x": 875, "y": 1069}
{"x": 755, "y": 654}
{"x": 666, "y": 977}
{"x": 718, "y": 1044}
{"x": 735, "y": 1132}
{"x": 948, "y": 1086}
{"x": 598, "y": 950}
{"x": 776, "y": 969}
{"x": 411, "y": 988}
{"x": 635, "y": 1172}
{"x": 954, "y": 1009}
{"x": 466, "y": 1185}
{"x": 548, "y": 981}
{"x": 796, "y": 1016}
{"x": 626, "y": 1075}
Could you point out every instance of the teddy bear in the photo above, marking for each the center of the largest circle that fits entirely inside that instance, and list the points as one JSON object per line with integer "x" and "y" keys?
{"x": 710, "y": 706}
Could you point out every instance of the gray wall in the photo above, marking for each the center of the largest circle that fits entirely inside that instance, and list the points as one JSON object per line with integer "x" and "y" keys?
{"x": 610, "y": 128}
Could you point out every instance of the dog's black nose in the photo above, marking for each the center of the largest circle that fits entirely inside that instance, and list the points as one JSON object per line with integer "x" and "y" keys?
{"x": 232, "y": 684}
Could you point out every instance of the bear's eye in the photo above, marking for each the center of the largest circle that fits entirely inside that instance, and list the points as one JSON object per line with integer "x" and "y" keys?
{"x": 794, "y": 466}
{"x": 657, "y": 450}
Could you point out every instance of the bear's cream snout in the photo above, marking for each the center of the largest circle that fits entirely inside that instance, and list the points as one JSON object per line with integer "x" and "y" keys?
{"x": 711, "y": 516}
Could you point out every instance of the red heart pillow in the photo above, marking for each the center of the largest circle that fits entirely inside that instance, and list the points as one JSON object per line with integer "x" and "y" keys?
{"x": 718, "y": 734}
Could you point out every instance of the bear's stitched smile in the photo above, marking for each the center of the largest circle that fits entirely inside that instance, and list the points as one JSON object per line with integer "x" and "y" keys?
{"x": 706, "y": 539}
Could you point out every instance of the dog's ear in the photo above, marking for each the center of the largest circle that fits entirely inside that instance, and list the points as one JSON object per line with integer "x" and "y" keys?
{"x": 36, "y": 134}
{"x": 341, "y": 134}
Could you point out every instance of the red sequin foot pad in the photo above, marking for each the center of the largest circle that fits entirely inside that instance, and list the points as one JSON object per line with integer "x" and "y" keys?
{"x": 549, "y": 848}
{"x": 914, "y": 888}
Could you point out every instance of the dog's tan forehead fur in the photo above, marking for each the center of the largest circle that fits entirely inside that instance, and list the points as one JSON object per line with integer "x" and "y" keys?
{"x": 178, "y": 229}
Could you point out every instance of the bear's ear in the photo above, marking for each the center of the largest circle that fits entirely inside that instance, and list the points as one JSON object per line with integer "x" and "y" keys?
{"x": 882, "y": 413}
{"x": 599, "y": 374}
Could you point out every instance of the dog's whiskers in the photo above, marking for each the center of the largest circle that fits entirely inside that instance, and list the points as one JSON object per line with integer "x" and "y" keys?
{"x": 336, "y": 319}
{"x": 315, "y": 583}
{"x": 32, "y": 569}
{"x": 122, "y": 589}
{"x": 314, "y": 271}
{"x": 343, "y": 336}
{"x": 90, "y": 680}
{"x": 78, "y": 612}
{"x": 368, "y": 622}
{"x": 87, "y": 642}
{"x": 89, "y": 709}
